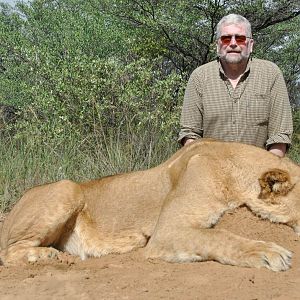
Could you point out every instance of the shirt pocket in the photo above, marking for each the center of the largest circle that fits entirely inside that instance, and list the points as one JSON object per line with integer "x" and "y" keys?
{"x": 258, "y": 109}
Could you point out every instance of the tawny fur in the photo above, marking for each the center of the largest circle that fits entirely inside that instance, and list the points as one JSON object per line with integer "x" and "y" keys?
{"x": 170, "y": 210}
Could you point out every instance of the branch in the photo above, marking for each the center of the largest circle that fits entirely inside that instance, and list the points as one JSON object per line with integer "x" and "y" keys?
{"x": 269, "y": 21}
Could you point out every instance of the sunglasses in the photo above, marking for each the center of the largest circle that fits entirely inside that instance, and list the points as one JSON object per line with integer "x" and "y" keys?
{"x": 239, "y": 39}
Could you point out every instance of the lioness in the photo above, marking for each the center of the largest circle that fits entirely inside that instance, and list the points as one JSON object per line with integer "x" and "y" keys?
{"x": 170, "y": 210}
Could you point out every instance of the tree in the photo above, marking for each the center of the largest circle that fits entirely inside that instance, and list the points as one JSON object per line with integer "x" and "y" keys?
{"x": 184, "y": 31}
{"x": 74, "y": 69}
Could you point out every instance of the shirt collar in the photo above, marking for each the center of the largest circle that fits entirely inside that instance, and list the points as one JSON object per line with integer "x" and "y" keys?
{"x": 246, "y": 73}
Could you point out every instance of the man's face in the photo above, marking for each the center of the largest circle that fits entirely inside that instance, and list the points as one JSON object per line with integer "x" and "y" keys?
{"x": 232, "y": 47}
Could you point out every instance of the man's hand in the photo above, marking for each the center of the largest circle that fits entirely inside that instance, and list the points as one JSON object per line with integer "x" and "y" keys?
{"x": 187, "y": 141}
{"x": 278, "y": 149}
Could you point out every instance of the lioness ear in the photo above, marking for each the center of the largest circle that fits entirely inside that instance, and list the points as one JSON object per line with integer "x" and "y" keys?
{"x": 274, "y": 183}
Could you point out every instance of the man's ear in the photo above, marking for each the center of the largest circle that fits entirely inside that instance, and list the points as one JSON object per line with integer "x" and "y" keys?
{"x": 217, "y": 48}
{"x": 251, "y": 44}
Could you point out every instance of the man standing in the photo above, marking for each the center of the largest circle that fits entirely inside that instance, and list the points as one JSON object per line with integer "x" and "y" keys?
{"x": 236, "y": 98}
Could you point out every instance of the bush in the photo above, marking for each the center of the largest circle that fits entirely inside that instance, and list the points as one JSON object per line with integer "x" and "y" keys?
{"x": 91, "y": 119}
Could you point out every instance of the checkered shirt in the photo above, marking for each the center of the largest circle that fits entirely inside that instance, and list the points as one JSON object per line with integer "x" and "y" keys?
{"x": 256, "y": 112}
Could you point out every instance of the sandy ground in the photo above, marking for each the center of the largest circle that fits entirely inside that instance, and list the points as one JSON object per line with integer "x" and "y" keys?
{"x": 130, "y": 276}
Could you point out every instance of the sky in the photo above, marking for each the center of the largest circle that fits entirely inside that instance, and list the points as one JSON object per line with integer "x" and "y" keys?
{"x": 11, "y": 2}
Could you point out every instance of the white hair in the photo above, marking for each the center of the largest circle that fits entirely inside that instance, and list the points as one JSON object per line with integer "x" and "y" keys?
{"x": 234, "y": 19}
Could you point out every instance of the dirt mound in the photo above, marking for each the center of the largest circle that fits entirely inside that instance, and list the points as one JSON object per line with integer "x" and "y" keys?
{"x": 130, "y": 276}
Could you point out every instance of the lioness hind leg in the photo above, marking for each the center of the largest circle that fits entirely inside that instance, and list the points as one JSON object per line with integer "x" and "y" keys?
{"x": 25, "y": 254}
{"x": 38, "y": 221}
{"x": 192, "y": 244}
{"x": 87, "y": 240}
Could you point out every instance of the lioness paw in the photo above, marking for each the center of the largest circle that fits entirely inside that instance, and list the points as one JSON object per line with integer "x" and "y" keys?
{"x": 38, "y": 254}
{"x": 270, "y": 256}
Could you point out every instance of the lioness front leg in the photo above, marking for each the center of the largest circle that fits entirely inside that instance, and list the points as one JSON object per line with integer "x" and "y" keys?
{"x": 191, "y": 244}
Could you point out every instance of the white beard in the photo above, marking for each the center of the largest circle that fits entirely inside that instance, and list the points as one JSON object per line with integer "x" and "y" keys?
{"x": 234, "y": 59}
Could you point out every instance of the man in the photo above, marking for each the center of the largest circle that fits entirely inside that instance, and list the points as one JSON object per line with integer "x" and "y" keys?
{"x": 236, "y": 98}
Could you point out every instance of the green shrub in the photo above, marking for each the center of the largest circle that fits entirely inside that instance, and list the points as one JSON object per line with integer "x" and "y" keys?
{"x": 96, "y": 118}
